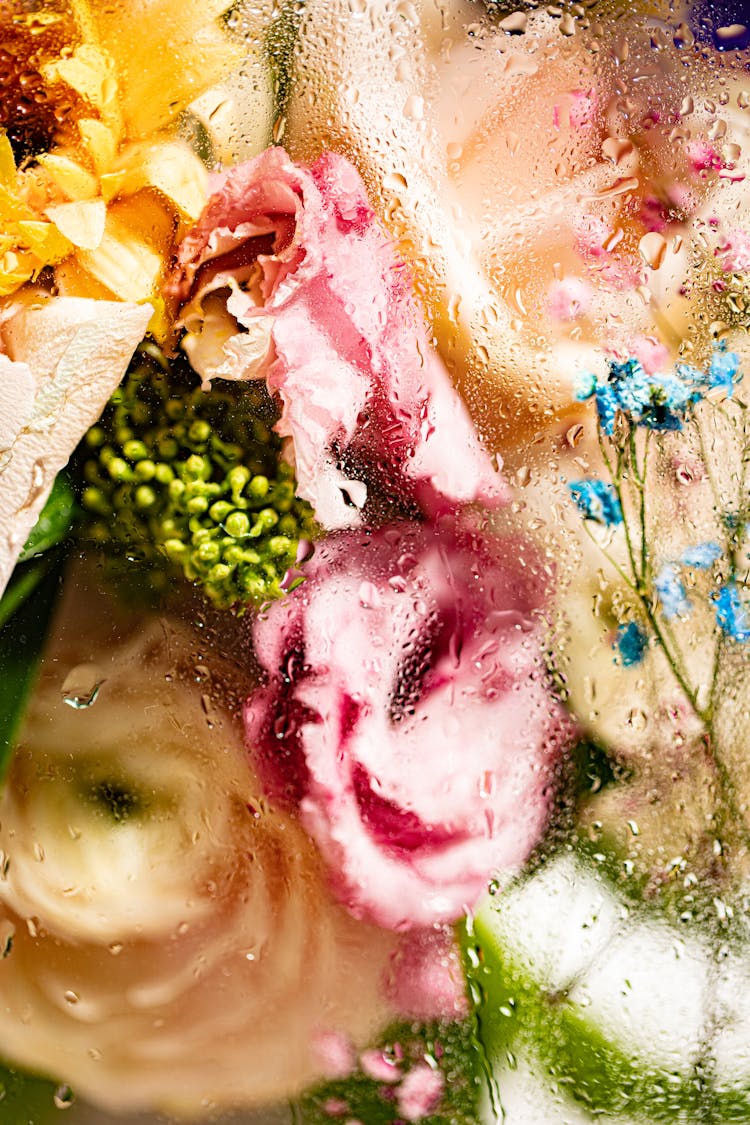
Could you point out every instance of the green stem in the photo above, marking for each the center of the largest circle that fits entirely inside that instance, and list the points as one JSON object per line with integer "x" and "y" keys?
{"x": 663, "y": 632}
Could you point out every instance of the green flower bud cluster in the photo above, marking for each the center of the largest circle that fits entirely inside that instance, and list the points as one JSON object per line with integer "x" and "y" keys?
{"x": 191, "y": 482}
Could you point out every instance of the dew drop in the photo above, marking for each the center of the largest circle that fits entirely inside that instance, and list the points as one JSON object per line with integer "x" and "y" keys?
{"x": 652, "y": 248}
{"x": 63, "y": 1096}
{"x": 81, "y": 686}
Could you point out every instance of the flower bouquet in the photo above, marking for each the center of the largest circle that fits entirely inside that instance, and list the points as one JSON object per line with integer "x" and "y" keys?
{"x": 375, "y": 552}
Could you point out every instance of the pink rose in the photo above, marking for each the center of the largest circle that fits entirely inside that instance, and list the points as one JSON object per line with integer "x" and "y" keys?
{"x": 290, "y": 277}
{"x": 405, "y": 714}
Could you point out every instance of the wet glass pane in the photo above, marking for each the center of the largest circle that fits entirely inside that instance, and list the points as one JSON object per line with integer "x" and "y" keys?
{"x": 374, "y": 561}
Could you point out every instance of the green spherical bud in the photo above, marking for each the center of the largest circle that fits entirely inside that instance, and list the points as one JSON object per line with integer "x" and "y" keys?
{"x": 288, "y": 526}
{"x": 168, "y": 448}
{"x": 175, "y": 550}
{"x": 145, "y": 497}
{"x": 145, "y": 470}
{"x": 163, "y": 473}
{"x": 195, "y": 468}
{"x": 258, "y": 487}
{"x": 199, "y": 431}
{"x": 234, "y": 555}
{"x": 279, "y": 545}
{"x": 252, "y": 585}
{"x": 174, "y": 409}
{"x": 237, "y": 478}
{"x": 196, "y": 505}
{"x": 264, "y": 521}
{"x": 176, "y": 489}
{"x": 119, "y": 469}
{"x": 95, "y": 437}
{"x": 135, "y": 450}
{"x": 95, "y": 500}
{"x": 123, "y": 434}
{"x": 237, "y": 525}
{"x": 220, "y": 510}
{"x": 219, "y": 573}
{"x": 208, "y": 552}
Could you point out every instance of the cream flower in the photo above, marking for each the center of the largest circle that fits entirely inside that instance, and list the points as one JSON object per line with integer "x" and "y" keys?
{"x": 174, "y": 945}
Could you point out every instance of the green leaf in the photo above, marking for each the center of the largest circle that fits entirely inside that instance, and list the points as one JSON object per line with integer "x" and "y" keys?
{"x": 26, "y": 1099}
{"x": 54, "y": 521}
{"x": 280, "y": 44}
{"x": 22, "y": 637}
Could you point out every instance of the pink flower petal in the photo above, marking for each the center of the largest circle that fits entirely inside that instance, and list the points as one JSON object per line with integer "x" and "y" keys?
{"x": 420, "y": 1092}
{"x": 350, "y": 362}
{"x": 413, "y": 729}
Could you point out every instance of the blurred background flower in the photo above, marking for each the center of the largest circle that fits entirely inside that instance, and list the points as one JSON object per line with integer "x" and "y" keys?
{"x": 542, "y": 186}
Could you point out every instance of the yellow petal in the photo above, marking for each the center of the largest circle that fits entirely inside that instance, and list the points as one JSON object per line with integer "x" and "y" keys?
{"x": 45, "y": 240}
{"x": 124, "y": 262}
{"x": 171, "y": 168}
{"x": 69, "y": 176}
{"x": 82, "y": 222}
{"x": 7, "y": 161}
{"x": 11, "y": 207}
{"x": 72, "y": 280}
{"x": 15, "y": 270}
{"x": 100, "y": 142}
{"x": 89, "y": 72}
{"x": 165, "y": 54}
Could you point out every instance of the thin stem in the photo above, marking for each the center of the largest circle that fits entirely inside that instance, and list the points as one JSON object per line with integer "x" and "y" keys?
{"x": 610, "y": 559}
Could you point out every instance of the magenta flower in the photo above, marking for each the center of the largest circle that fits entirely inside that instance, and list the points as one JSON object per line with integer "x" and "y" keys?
{"x": 289, "y": 277}
{"x": 405, "y": 713}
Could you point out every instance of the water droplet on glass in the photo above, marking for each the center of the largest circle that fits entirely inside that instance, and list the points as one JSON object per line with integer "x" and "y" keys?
{"x": 81, "y": 686}
{"x": 514, "y": 24}
{"x": 63, "y": 1097}
{"x": 652, "y": 248}
{"x": 637, "y": 719}
{"x": 7, "y": 934}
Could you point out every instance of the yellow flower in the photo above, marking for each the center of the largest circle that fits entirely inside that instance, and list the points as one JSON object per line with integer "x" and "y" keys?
{"x": 104, "y": 205}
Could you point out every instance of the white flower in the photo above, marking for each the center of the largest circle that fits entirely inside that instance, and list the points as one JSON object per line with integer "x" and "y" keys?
{"x": 60, "y": 360}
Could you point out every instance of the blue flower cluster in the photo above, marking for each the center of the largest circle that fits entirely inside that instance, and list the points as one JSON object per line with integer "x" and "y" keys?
{"x": 669, "y": 585}
{"x": 597, "y": 500}
{"x": 658, "y": 402}
{"x": 631, "y": 643}
{"x": 731, "y": 615}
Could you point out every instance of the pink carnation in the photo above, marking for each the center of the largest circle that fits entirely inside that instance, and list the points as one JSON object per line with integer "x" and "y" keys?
{"x": 420, "y": 1092}
{"x": 426, "y": 980}
{"x": 734, "y": 254}
{"x": 288, "y": 276}
{"x": 405, "y": 713}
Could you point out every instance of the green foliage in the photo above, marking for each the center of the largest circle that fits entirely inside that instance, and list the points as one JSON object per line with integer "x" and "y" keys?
{"x": 27, "y": 1100}
{"x": 190, "y": 483}
{"x": 26, "y": 608}
{"x": 22, "y": 637}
